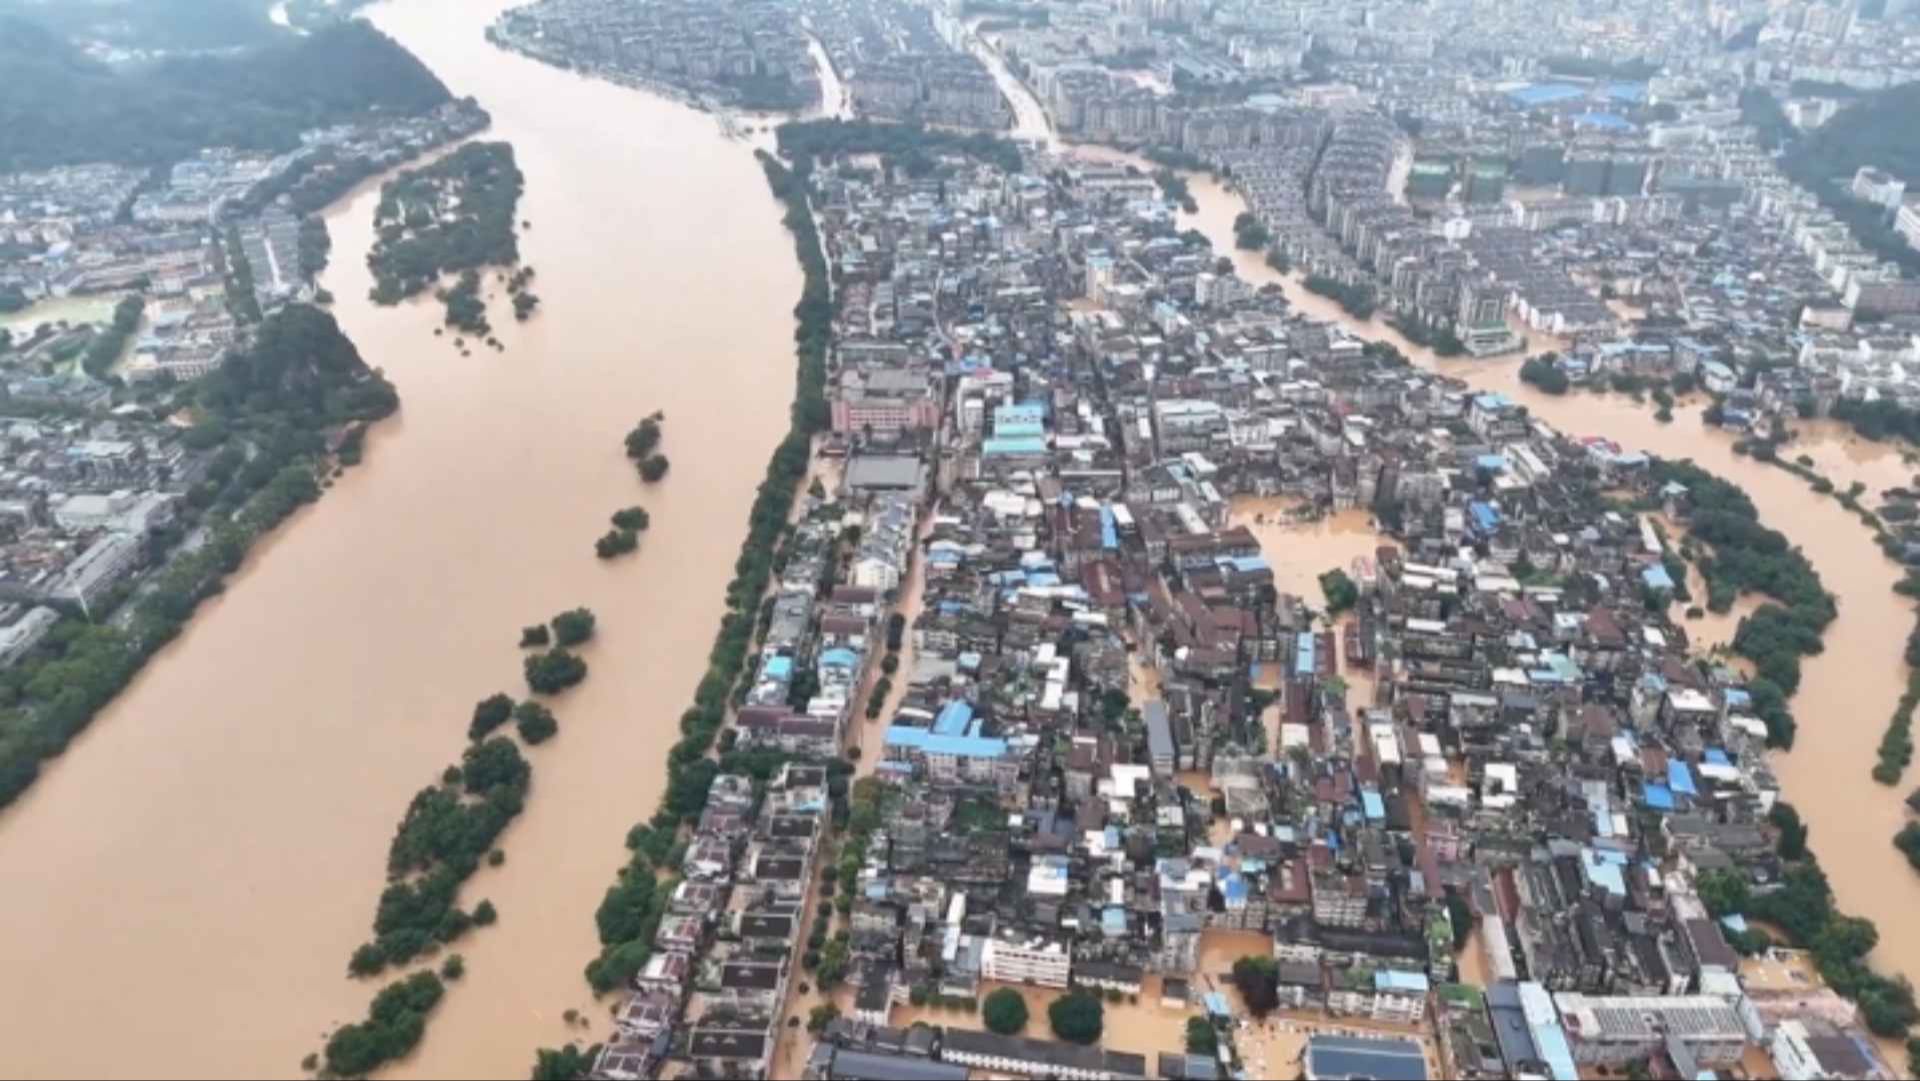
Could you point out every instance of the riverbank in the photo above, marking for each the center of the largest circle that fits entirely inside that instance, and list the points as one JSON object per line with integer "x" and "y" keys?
{"x": 228, "y": 804}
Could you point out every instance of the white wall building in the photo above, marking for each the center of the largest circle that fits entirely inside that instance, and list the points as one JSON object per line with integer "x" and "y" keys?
{"x": 1037, "y": 961}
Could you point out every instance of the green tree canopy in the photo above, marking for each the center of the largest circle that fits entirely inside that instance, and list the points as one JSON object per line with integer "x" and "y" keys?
{"x": 573, "y": 627}
{"x": 569, "y": 1063}
{"x": 488, "y": 714}
{"x": 1077, "y": 1017}
{"x": 554, "y": 671}
{"x": 1202, "y": 1039}
{"x": 1004, "y": 1011}
{"x": 535, "y": 723}
{"x": 1340, "y": 591}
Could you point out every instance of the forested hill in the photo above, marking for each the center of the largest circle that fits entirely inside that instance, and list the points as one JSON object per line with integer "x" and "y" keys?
{"x": 155, "y": 25}
{"x": 1881, "y": 129}
{"x": 60, "y": 107}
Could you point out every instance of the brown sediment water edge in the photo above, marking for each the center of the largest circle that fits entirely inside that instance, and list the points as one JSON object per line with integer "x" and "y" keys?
{"x": 217, "y": 837}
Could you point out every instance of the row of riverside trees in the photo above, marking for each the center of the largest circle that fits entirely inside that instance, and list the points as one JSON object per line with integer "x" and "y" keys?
{"x": 633, "y": 905}
{"x": 1359, "y": 301}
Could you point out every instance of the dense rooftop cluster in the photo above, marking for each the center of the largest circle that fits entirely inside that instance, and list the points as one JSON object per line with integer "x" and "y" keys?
{"x": 1104, "y": 723}
{"x": 751, "y": 54}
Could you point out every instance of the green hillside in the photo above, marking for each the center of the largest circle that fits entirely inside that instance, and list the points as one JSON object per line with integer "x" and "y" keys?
{"x": 152, "y": 24}
{"x": 59, "y": 107}
{"x": 1881, "y": 129}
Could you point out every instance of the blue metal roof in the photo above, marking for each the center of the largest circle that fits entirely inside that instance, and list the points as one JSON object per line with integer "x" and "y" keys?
{"x": 953, "y": 718}
{"x": 1375, "y": 807}
{"x": 1393, "y": 979}
{"x": 1602, "y": 120}
{"x": 1656, "y": 796}
{"x": 1545, "y": 94}
{"x": 1679, "y": 778}
{"x": 1604, "y": 870}
{"x": 929, "y": 742}
{"x": 1024, "y": 444}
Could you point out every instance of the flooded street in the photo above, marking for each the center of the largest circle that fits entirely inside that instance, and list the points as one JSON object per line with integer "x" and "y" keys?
{"x": 72, "y": 310}
{"x": 1845, "y": 693}
{"x": 192, "y": 875}
{"x": 1140, "y": 1025}
{"x": 1300, "y": 552}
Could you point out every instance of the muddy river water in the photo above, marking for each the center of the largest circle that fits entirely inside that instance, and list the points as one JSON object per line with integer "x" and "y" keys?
{"x": 183, "y": 887}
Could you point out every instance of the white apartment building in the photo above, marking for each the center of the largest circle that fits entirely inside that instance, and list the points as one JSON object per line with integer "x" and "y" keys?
{"x": 1035, "y": 960}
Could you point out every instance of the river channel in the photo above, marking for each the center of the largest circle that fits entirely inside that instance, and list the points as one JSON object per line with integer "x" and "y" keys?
{"x": 182, "y": 889}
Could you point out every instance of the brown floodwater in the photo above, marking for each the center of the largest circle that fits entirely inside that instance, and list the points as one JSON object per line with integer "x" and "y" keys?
{"x": 1140, "y": 1025}
{"x": 183, "y": 887}
{"x": 1846, "y": 693}
{"x": 1301, "y": 551}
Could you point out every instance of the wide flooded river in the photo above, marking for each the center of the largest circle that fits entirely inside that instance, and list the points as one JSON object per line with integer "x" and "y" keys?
{"x": 1846, "y": 693}
{"x": 184, "y": 886}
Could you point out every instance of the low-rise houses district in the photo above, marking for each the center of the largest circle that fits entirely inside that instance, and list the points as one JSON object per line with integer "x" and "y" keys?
{"x": 89, "y": 481}
{"x": 1095, "y": 729}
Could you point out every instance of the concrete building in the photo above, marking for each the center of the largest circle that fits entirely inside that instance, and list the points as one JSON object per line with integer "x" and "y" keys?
{"x": 1160, "y": 746}
{"x": 846, "y": 1065}
{"x": 947, "y": 759}
{"x": 885, "y": 401}
{"x": 1617, "y": 1029}
{"x": 1883, "y": 293}
{"x": 18, "y": 638}
{"x": 98, "y": 569}
{"x": 1814, "y": 1050}
{"x": 1907, "y": 224}
{"x": 1879, "y": 187}
{"x": 874, "y": 474}
{"x": 1350, "y": 1058}
{"x": 1012, "y": 958}
{"x": 1039, "y": 1058}
{"x": 123, "y": 511}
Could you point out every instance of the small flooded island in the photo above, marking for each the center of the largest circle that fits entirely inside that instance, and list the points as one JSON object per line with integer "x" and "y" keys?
{"x": 454, "y": 217}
